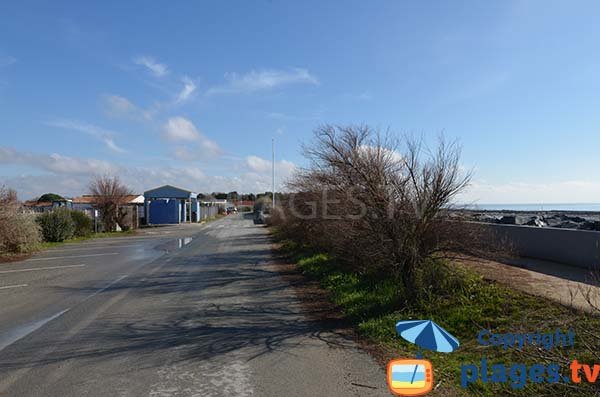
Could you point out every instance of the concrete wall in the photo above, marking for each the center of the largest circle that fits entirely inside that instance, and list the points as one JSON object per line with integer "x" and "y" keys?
{"x": 579, "y": 248}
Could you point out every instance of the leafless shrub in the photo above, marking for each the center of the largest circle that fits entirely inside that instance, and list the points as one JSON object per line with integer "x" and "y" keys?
{"x": 380, "y": 204}
{"x": 110, "y": 194}
{"x": 19, "y": 232}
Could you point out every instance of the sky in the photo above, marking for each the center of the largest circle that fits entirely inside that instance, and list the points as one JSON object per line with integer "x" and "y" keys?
{"x": 193, "y": 93}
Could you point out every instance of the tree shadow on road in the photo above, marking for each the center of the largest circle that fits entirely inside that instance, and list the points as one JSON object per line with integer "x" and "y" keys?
{"x": 196, "y": 308}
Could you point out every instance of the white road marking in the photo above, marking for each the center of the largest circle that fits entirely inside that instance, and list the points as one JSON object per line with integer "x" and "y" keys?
{"x": 105, "y": 287}
{"x": 40, "y": 268}
{"x": 100, "y": 241}
{"x": 93, "y": 248}
{"x": 69, "y": 256}
{"x": 14, "y": 286}
{"x": 22, "y": 331}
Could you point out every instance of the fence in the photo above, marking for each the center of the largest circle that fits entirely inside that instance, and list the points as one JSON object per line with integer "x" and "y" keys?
{"x": 208, "y": 212}
{"x": 579, "y": 248}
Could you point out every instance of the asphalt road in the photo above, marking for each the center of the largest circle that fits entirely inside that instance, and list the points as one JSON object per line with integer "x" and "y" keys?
{"x": 190, "y": 310}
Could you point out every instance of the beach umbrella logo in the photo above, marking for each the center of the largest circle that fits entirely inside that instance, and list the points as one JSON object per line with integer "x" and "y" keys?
{"x": 426, "y": 334}
{"x": 414, "y": 377}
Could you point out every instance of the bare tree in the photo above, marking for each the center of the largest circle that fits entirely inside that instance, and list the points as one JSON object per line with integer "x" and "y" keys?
{"x": 8, "y": 197}
{"x": 381, "y": 204}
{"x": 110, "y": 194}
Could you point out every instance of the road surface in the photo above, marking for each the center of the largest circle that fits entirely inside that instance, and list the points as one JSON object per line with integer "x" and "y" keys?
{"x": 190, "y": 310}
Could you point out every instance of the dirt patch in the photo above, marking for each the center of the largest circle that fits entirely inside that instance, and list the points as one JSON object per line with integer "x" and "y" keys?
{"x": 568, "y": 293}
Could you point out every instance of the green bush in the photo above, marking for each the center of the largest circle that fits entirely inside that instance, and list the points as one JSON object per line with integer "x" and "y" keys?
{"x": 83, "y": 224}
{"x": 57, "y": 225}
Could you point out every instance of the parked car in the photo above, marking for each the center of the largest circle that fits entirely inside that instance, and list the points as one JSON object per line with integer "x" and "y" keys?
{"x": 231, "y": 210}
{"x": 261, "y": 215}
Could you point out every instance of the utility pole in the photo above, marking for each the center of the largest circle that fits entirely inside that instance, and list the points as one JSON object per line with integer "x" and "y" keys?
{"x": 273, "y": 169}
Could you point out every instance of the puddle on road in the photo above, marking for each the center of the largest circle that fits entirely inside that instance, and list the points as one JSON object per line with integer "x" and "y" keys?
{"x": 175, "y": 244}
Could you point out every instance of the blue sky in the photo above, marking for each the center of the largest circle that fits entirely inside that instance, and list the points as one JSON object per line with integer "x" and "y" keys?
{"x": 192, "y": 93}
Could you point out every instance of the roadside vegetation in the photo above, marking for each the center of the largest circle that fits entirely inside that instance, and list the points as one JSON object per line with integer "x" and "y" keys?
{"x": 369, "y": 221}
{"x": 464, "y": 304}
{"x": 19, "y": 232}
{"x": 23, "y": 232}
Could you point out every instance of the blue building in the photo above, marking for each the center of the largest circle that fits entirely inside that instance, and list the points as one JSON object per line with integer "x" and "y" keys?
{"x": 170, "y": 205}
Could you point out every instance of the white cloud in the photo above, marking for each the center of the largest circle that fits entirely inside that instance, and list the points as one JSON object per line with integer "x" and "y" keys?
{"x": 156, "y": 68}
{"x": 118, "y": 104}
{"x": 283, "y": 169}
{"x": 263, "y": 80}
{"x": 106, "y": 136}
{"x": 55, "y": 163}
{"x": 189, "y": 87}
{"x": 180, "y": 129}
{"x": 258, "y": 164}
{"x": 71, "y": 176}
{"x": 120, "y": 107}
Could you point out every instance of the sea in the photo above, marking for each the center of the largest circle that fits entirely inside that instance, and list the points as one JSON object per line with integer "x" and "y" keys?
{"x": 583, "y": 207}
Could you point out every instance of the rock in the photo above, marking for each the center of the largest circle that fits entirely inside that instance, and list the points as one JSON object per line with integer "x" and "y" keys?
{"x": 513, "y": 220}
{"x": 536, "y": 221}
{"x": 590, "y": 225}
{"x": 567, "y": 225}
{"x": 487, "y": 218}
{"x": 576, "y": 219}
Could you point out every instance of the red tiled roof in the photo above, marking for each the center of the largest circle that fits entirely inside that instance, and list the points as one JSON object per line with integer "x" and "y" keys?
{"x": 89, "y": 199}
{"x": 33, "y": 203}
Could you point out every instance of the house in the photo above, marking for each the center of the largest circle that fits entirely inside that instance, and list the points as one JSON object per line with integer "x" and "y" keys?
{"x": 133, "y": 205}
{"x": 170, "y": 205}
{"x": 43, "y": 206}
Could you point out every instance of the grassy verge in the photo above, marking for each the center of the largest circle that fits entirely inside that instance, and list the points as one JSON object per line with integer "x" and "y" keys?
{"x": 466, "y": 305}
{"x": 10, "y": 257}
{"x": 92, "y": 236}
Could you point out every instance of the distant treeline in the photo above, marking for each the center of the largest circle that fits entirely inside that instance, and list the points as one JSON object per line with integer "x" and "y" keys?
{"x": 240, "y": 196}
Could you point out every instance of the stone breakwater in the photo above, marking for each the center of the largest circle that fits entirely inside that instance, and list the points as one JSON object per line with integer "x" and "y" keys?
{"x": 557, "y": 219}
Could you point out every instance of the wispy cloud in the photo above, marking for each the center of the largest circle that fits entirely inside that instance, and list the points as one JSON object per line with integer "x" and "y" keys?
{"x": 254, "y": 81}
{"x": 189, "y": 87}
{"x": 70, "y": 176}
{"x": 56, "y": 163}
{"x": 259, "y": 165}
{"x": 105, "y": 136}
{"x": 7, "y": 60}
{"x": 116, "y": 106}
{"x": 180, "y": 129}
{"x": 156, "y": 68}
